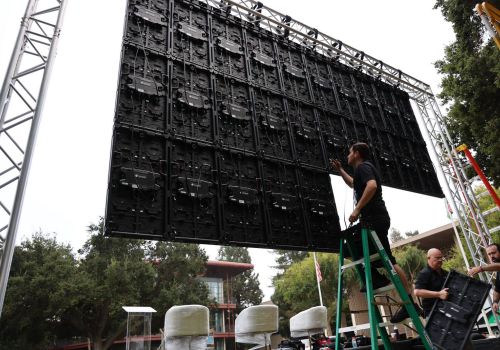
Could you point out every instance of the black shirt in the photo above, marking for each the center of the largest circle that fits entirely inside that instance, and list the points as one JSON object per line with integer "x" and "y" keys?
{"x": 497, "y": 283}
{"x": 375, "y": 209}
{"x": 431, "y": 280}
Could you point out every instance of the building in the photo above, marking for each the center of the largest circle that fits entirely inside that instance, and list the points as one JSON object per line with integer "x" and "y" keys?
{"x": 219, "y": 276}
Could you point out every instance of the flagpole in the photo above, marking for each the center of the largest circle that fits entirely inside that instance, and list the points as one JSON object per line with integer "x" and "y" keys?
{"x": 316, "y": 268}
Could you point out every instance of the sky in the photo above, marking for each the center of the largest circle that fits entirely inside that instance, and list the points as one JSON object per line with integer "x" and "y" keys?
{"x": 66, "y": 190}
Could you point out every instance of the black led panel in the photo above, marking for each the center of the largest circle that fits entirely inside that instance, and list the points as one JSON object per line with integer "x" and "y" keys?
{"x": 223, "y": 132}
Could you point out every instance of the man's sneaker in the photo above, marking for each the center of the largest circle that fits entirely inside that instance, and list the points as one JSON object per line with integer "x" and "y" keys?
{"x": 379, "y": 282}
{"x": 402, "y": 314}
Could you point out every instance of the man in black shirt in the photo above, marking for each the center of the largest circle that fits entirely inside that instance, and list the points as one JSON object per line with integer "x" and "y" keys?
{"x": 493, "y": 252}
{"x": 430, "y": 281}
{"x": 370, "y": 206}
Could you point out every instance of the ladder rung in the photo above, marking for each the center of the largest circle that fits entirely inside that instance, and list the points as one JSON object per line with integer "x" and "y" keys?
{"x": 489, "y": 211}
{"x": 384, "y": 289}
{"x": 362, "y": 326}
{"x": 384, "y": 303}
{"x": 360, "y": 261}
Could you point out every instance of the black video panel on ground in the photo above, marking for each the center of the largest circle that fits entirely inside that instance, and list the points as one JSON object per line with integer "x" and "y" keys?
{"x": 214, "y": 95}
{"x": 451, "y": 321}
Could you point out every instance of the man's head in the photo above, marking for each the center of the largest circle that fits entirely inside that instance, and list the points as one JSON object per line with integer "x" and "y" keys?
{"x": 358, "y": 152}
{"x": 493, "y": 251}
{"x": 434, "y": 258}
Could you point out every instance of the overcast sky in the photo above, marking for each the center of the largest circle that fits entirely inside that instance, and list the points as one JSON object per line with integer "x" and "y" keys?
{"x": 68, "y": 179}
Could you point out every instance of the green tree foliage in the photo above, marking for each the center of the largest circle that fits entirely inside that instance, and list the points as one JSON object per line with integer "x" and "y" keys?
{"x": 296, "y": 290}
{"x": 52, "y": 295}
{"x": 471, "y": 84}
{"x": 177, "y": 266}
{"x": 285, "y": 258}
{"x": 411, "y": 259}
{"x": 113, "y": 273}
{"x": 454, "y": 260}
{"x": 411, "y": 233}
{"x": 37, "y": 294}
{"x": 245, "y": 286}
{"x": 395, "y": 235}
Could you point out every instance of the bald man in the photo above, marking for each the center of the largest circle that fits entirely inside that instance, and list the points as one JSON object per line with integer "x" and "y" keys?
{"x": 430, "y": 281}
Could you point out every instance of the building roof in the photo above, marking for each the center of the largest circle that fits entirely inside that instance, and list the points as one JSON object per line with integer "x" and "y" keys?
{"x": 442, "y": 237}
{"x": 224, "y": 269}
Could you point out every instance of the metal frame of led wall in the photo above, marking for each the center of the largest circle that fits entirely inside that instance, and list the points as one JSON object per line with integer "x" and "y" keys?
{"x": 224, "y": 131}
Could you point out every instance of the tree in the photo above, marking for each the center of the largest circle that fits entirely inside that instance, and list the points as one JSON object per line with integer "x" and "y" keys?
{"x": 454, "y": 260}
{"x": 411, "y": 259}
{"x": 245, "y": 286}
{"x": 37, "y": 294}
{"x": 113, "y": 273}
{"x": 285, "y": 258}
{"x": 296, "y": 290}
{"x": 471, "y": 84}
{"x": 411, "y": 233}
{"x": 177, "y": 267}
{"x": 54, "y": 296}
{"x": 395, "y": 235}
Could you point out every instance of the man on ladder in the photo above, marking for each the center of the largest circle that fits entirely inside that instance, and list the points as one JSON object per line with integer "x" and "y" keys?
{"x": 370, "y": 209}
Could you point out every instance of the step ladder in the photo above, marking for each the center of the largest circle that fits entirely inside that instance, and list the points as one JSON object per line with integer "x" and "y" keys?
{"x": 376, "y": 325}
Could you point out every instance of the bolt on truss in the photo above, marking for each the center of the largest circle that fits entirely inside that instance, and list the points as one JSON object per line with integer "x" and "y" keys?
{"x": 21, "y": 103}
{"x": 468, "y": 216}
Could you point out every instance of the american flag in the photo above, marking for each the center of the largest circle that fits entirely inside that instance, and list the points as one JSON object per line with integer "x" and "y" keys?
{"x": 318, "y": 272}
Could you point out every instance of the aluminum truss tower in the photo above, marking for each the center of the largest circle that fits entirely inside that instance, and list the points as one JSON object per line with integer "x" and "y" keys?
{"x": 21, "y": 103}
{"x": 458, "y": 189}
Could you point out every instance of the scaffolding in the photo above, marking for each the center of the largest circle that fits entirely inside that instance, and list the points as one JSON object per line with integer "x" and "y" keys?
{"x": 21, "y": 103}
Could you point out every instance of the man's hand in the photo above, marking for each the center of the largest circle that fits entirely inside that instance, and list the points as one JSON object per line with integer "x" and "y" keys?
{"x": 494, "y": 307}
{"x": 335, "y": 163}
{"x": 443, "y": 294}
{"x": 354, "y": 215}
{"x": 474, "y": 270}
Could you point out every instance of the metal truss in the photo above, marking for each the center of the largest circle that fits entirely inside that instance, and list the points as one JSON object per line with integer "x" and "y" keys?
{"x": 254, "y": 12}
{"x": 468, "y": 217}
{"x": 21, "y": 103}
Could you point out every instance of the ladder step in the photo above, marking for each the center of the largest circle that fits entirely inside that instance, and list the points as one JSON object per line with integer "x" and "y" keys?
{"x": 373, "y": 257}
{"x": 384, "y": 303}
{"x": 360, "y": 327}
{"x": 384, "y": 289}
